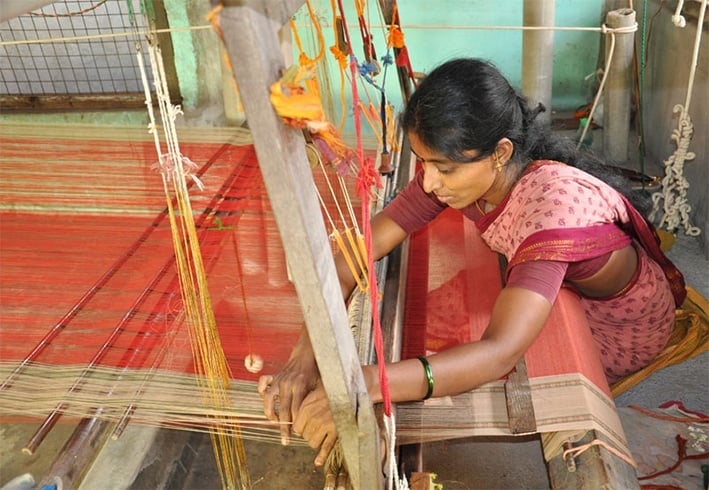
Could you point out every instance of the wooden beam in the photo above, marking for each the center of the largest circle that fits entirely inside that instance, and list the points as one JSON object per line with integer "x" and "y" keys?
{"x": 594, "y": 468}
{"x": 251, "y": 38}
{"x": 67, "y": 102}
{"x": 278, "y": 11}
{"x": 390, "y": 16}
{"x": 518, "y": 396}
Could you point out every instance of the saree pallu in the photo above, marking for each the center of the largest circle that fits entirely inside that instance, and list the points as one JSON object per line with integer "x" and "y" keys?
{"x": 557, "y": 212}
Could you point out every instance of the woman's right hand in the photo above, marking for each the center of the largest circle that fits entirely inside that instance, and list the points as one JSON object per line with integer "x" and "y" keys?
{"x": 284, "y": 392}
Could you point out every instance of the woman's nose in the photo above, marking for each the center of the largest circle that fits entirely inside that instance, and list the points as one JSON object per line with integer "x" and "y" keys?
{"x": 431, "y": 182}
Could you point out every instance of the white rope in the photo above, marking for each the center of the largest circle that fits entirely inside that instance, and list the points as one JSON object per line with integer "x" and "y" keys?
{"x": 609, "y": 58}
{"x": 678, "y": 18}
{"x": 673, "y": 196}
{"x": 393, "y": 480}
{"x": 88, "y": 37}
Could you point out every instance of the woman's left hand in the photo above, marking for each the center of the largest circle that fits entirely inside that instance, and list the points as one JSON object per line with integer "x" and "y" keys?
{"x": 314, "y": 422}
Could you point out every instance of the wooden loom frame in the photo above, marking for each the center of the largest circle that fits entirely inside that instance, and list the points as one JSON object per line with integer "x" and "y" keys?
{"x": 251, "y": 29}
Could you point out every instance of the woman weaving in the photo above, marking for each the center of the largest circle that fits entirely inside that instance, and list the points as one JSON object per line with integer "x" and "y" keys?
{"x": 559, "y": 216}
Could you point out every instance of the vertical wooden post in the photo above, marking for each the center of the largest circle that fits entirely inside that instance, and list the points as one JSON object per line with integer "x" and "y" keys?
{"x": 391, "y": 17}
{"x": 250, "y": 30}
{"x": 619, "y": 87}
{"x": 538, "y": 55}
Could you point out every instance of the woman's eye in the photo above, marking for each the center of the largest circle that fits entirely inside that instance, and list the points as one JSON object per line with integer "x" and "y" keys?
{"x": 444, "y": 170}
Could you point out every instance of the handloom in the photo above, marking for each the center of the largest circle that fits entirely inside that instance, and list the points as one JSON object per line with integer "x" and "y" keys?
{"x": 96, "y": 327}
{"x": 156, "y": 391}
{"x": 88, "y": 254}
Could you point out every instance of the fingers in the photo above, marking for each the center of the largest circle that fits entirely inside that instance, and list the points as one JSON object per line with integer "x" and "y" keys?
{"x": 272, "y": 403}
{"x": 264, "y": 382}
{"x": 321, "y": 436}
{"x": 270, "y": 396}
{"x": 315, "y": 423}
{"x": 284, "y": 418}
{"x": 291, "y": 399}
{"x": 325, "y": 448}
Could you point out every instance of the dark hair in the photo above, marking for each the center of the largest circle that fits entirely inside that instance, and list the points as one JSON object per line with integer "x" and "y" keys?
{"x": 467, "y": 104}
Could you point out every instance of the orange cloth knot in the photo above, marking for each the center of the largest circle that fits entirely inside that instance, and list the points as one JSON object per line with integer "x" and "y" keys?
{"x": 292, "y": 101}
{"x": 339, "y": 56}
{"x": 396, "y": 37}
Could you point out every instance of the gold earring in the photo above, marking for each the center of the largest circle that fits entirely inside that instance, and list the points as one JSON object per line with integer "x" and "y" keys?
{"x": 498, "y": 163}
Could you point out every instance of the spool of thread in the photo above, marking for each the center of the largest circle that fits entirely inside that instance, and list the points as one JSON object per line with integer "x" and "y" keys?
{"x": 253, "y": 363}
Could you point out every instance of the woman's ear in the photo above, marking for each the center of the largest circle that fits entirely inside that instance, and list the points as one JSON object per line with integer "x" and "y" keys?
{"x": 504, "y": 150}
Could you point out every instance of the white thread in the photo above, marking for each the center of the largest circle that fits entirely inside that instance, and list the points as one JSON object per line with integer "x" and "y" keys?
{"x": 602, "y": 29}
{"x": 393, "y": 480}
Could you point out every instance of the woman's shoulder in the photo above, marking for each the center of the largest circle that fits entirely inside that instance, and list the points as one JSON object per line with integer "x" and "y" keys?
{"x": 544, "y": 175}
{"x": 550, "y": 188}
{"x": 553, "y": 168}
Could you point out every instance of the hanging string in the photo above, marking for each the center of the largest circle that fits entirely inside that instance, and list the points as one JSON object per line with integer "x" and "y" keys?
{"x": 296, "y": 99}
{"x": 609, "y": 58}
{"x": 354, "y": 252}
{"x": 367, "y": 180}
{"x": 209, "y": 360}
{"x": 673, "y": 196}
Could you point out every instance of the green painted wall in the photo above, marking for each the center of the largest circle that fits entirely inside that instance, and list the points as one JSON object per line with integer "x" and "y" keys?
{"x": 458, "y": 28}
{"x": 575, "y": 53}
{"x": 432, "y": 34}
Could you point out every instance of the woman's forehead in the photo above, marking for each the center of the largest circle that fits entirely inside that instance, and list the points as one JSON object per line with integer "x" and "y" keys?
{"x": 423, "y": 152}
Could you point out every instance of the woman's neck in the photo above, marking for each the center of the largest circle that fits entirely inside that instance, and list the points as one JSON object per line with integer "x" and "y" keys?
{"x": 501, "y": 186}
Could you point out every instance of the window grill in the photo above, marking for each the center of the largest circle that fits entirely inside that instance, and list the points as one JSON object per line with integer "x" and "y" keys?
{"x": 81, "y": 55}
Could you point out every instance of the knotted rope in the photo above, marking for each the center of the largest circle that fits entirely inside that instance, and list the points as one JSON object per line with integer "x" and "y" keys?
{"x": 672, "y": 199}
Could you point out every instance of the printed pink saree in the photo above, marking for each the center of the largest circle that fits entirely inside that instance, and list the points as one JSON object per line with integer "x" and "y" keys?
{"x": 557, "y": 212}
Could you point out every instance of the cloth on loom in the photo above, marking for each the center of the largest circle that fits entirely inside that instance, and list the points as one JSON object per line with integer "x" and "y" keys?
{"x": 87, "y": 255}
{"x": 111, "y": 223}
{"x": 570, "y": 393}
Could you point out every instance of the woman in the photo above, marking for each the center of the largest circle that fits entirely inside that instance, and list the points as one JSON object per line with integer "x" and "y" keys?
{"x": 536, "y": 200}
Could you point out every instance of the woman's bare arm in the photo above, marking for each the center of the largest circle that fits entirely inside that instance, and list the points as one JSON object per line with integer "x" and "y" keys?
{"x": 283, "y": 393}
{"x": 517, "y": 318}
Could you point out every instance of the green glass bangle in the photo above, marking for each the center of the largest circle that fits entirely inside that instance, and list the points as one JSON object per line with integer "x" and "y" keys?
{"x": 429, "y": 376}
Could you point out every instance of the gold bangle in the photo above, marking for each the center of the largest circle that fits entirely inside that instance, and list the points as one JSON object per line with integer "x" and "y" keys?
{"x": 429, "y": 376}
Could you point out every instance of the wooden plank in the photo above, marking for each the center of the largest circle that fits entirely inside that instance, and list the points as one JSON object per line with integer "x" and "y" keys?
{"x": 594, "y": 468}
{"x": 251, "y": 39}
{"x": 518, "y": 395}
{"x": 278, "y": 11}
{"x": 72, "y": 102}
